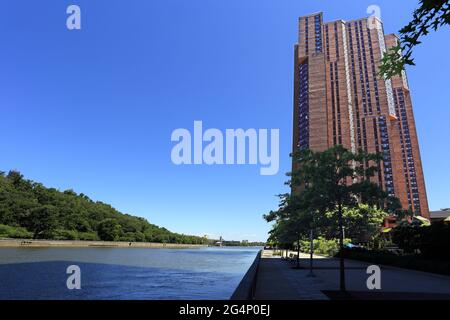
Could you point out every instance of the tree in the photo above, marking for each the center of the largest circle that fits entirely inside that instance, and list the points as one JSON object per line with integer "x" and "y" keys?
{"x": 42, "y": 221}
{"x": 15, "y": 177}
{"x": 291, "y": 222}
{"x": 362, "y": 223}
{"x": 328, "y": 189}
{"x": 109, "y": 230}
{"x": 281, "y": 236}
{"x": 334, "y": 179}
{"x": 431, "y": 14}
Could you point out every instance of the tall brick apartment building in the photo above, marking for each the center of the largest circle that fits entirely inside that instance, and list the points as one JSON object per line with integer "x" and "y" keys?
{"x": 339, "y": 98}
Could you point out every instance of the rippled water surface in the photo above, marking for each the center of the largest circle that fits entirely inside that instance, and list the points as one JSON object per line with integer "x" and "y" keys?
{"x": 123, "y": 273}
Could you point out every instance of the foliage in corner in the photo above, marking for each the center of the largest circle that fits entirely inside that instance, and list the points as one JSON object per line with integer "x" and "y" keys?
{"x": 431, "y": 15}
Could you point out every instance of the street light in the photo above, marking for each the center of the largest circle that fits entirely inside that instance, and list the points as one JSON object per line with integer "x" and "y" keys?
{"x": 311, "y": 248}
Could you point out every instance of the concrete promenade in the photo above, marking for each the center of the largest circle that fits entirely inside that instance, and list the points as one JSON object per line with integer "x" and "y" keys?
{"x": 278, "y": 280}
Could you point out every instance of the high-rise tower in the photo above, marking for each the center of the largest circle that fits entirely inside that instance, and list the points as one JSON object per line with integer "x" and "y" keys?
{"x": 339, "y": 98}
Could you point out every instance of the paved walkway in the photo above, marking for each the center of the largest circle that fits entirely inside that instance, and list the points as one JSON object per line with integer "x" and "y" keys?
{"x": 278, "y": 280}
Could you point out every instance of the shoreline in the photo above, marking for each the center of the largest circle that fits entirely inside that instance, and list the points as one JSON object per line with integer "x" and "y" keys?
{"x": 32, "y": 243}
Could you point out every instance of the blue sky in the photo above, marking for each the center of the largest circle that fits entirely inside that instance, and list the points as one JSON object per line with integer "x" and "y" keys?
{"x": 94, "y": 109}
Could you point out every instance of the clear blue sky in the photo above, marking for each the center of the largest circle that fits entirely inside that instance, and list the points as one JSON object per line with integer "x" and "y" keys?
{"x": 94, "y": 109}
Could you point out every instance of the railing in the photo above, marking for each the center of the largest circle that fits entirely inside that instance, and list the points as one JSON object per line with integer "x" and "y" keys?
{"x": 247, "y": 286}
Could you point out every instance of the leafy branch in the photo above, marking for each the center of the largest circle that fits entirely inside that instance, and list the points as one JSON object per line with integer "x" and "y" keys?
{"x": 432, "y": 14}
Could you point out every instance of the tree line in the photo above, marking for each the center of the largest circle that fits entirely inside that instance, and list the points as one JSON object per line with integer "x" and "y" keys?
{"x": 28, "y": 209}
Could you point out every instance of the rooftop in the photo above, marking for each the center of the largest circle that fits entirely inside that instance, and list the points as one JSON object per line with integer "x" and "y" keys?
{"x": 441, "y": 214}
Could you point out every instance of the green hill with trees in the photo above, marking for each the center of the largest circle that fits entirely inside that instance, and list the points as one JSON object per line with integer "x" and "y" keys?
{"x": 28, "y": 209}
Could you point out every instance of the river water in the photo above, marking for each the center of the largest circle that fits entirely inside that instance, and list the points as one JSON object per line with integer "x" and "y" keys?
{"x": 123, "y": 273}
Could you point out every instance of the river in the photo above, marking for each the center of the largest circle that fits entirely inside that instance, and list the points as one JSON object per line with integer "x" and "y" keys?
{"x": 123, "y": 273}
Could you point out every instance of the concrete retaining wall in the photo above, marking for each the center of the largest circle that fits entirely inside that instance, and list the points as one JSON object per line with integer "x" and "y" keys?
{"x": 246, "y": 288}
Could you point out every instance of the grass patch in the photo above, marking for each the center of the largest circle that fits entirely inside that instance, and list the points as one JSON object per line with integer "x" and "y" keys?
{"x": 14, "y": 232}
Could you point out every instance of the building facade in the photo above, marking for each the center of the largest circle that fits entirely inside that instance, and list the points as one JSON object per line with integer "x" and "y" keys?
{"x": 339, "y": 98}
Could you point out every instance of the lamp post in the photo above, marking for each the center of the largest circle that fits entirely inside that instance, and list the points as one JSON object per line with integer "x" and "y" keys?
{"x": 311, "y": 249}
{"x": 341, "y": 249}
